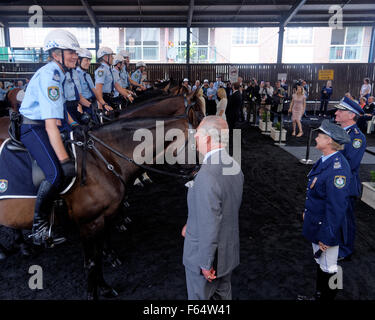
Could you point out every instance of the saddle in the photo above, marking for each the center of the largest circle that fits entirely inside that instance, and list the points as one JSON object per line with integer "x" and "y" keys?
{"x": 15, "y": 145}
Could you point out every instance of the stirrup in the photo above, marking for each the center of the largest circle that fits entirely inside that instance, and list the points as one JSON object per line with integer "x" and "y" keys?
{"x": 43, "y": 236}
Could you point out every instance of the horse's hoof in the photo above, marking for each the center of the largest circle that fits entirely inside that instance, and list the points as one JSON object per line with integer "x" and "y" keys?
{"x": 108, "y": 292}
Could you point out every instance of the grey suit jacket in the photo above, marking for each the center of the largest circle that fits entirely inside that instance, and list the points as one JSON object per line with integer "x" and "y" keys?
{"x": 212, "y": 232}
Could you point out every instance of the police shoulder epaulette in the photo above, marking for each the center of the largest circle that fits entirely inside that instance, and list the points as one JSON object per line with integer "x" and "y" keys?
{"x": 337, "y": 164}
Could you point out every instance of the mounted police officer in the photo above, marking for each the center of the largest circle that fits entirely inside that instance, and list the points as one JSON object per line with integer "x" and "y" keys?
{"x": 126, "y": 81}
{"x": 120, "y": 93}
{"x": 74, "y": 100}
{"x": 326, "y": 205}
{"x": 42, "y": 109}
{"x": 87, "y": 85}
{"x": 137, "y": 74}
{"x": 104, "y": 80}
{"x": 347, "y": 115}
{"x": 104, "y": 85}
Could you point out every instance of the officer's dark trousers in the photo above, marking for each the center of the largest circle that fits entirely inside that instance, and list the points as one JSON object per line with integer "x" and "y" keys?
{"x": 323, "y": 105}
{"x": 323, "y": 290}
{"x": 71, "y": 108}
{"x": 348, "y": 248}
{"x": 199, "y": 288}
{"x": 35, "y": 139}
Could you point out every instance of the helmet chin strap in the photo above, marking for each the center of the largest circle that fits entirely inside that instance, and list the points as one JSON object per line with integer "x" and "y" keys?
{"x": 80, "y": 64}
{"x": 107, "y": 61}
{"x": 62, "y": 64}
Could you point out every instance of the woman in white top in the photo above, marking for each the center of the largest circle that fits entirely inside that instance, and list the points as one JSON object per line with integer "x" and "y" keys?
{"x": 222, "y": 105}
{"x": 200, "y": 97}
{"x": 365, "y": 89}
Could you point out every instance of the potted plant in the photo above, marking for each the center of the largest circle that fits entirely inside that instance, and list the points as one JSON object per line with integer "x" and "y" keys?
{"x": 265, "y": 120}
{"x": 368, "y": 193}
{"x": 275, "y": 133}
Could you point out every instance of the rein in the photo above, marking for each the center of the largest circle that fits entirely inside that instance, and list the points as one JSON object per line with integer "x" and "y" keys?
{"x": 89, "y": 144}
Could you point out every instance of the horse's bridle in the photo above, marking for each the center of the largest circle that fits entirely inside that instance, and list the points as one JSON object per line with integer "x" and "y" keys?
{"x": 90, "y": 139}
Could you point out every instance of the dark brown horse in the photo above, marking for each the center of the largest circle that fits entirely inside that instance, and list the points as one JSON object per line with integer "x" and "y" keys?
{"x": 93, "y": 204}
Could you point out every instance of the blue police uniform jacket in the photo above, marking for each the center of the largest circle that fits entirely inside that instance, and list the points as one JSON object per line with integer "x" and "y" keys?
{"x": 104, "y": 76}
{"x": 353, "y": 152}
{"x": 327, "y": 201}
{"x": 124, "y": 77}
{"x": 116, "y": 79}
{"x": 72, "y": 85}
{"x": 137, "y": 76}
{"x": 86, "y": 83}
{"x": 44, "y": 98}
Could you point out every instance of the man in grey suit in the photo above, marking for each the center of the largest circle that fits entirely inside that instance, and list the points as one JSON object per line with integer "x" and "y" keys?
{"x": 211, "y": 247}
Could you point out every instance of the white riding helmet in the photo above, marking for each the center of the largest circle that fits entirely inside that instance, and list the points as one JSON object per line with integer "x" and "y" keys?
{"x": 84, "y": 53}
{"x": 205, "y": 81}
{"x": 140, "y": 64}
{"x": 124, "y": 53}
{"x": 60, "y": 39}
{"x": 117, "y": 58}
{"x": 186, "y": 79}
{"x": 103, "y": 51}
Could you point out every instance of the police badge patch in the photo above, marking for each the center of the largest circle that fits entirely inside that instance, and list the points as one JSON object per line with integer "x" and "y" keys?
{"x": 53, "y": 93}
{"x": 357, "y": 143}
{"x": 3, "y": 185}
{"x": 340, "y": 181}
{"x": 100, "y": 73}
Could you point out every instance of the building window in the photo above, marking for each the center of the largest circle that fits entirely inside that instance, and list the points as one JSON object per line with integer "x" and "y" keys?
{"x": 299, "y": 36}
{"x": 346, "y": 44}
{"x": 245, "y": 36}
{"x": 2, "y": 37}
{"x": 199, "y": 45}
{"x": 143, "y": 44}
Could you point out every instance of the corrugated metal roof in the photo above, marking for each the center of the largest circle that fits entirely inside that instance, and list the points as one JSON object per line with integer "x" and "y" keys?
{"x": 168, "y": 13}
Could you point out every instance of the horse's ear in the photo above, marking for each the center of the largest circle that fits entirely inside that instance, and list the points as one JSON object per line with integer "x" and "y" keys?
{"x": 191, "y": 96}
{"x": 166, "y": 88}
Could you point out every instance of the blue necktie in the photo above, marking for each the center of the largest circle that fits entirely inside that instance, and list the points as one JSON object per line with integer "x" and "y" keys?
{"x": 88, "y": 85}
{"x": 113, "y": 81}
{"x": 76, "y": 93}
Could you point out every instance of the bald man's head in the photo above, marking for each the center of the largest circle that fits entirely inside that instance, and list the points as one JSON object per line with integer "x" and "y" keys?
{"x": 216, "y": 127}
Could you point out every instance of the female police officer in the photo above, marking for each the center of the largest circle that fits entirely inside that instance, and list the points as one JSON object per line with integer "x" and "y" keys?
{"x": 326, "y": 204}
{"x": 87, "y": 85}
{"x": 42, "y": 108}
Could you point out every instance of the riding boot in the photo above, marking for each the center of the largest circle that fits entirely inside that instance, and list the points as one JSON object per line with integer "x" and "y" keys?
{"x": 40, "y": 231}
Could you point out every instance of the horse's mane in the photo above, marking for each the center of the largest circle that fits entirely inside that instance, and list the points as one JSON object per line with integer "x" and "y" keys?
{"x": 149, "y": 94}
{"x": 142, "y": 104}
{"x": 132, "y": 124}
